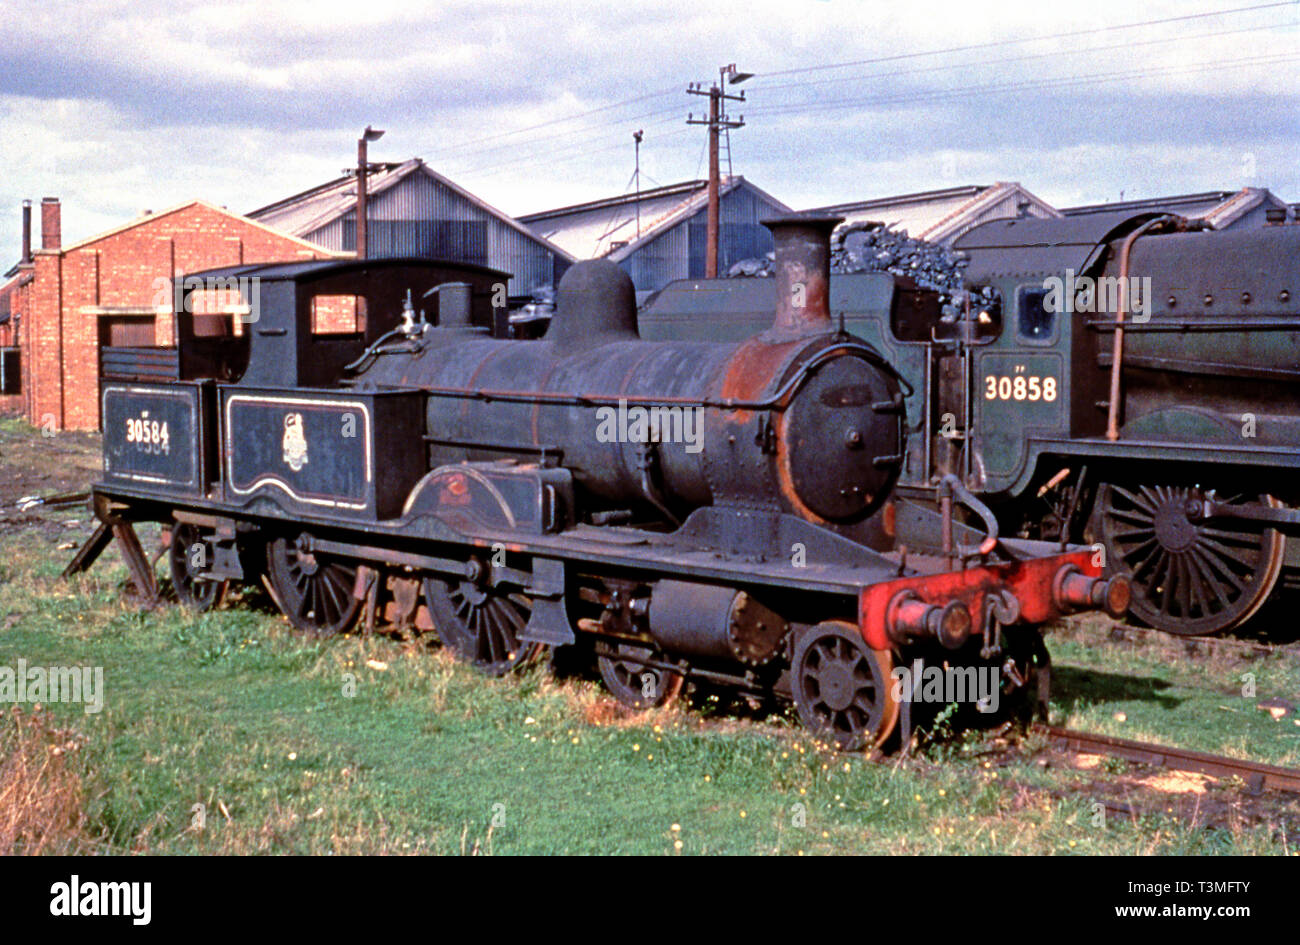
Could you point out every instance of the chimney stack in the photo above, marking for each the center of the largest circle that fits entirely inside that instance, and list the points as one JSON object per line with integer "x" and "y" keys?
{"x": 803, "y": 272}
{"x": 51, "y": 223}
{"x": 27, "y": 232}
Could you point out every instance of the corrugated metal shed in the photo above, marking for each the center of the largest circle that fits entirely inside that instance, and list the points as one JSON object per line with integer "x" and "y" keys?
{"x": 673, "y": 223}
{"x": 590, "y": 230}
{"x": 1222, "y": 209}
{"x": 414, "y": 211}
{"x": 940, "y": 216}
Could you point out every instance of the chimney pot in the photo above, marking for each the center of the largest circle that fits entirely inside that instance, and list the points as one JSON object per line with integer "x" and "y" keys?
{"x": 51, "y": 223}
{"x": 27, "y": 232}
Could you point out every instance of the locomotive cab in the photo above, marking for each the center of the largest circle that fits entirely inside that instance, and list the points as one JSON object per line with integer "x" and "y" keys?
{"x": 301, "y": 324}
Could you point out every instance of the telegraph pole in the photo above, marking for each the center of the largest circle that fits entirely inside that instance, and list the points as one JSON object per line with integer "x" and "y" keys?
{"x": 716, "y": 121}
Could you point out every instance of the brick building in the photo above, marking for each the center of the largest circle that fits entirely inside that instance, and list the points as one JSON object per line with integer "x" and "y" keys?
{"x": 70, "y": 302}
{"x": 13, "y": 300}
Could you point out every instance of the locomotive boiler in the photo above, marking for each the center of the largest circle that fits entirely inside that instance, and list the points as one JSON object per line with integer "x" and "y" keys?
{"x": 796, "y": 420}
{"x": 704, "y": 511}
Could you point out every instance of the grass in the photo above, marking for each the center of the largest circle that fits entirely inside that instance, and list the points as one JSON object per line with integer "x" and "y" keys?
{"x": 1151, "y": 689}
{"x": 40, "y": 788}
{"x": 225, "y": 733}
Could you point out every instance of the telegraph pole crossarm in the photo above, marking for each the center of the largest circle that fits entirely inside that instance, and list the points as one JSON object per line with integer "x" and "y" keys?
{"x": 717, "y": 121}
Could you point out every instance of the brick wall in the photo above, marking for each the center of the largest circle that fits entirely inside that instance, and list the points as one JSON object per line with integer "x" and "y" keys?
{"x": 10, "y": 335}
{"x": 119, "y": 273}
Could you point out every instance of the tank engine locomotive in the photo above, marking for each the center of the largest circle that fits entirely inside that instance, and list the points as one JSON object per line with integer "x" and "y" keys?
{"x": 705, "y": 510}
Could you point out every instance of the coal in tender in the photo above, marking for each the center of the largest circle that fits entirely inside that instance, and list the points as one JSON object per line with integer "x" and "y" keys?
{"x": 874, "y": 247}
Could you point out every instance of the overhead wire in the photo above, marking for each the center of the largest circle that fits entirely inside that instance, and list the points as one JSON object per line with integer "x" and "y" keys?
{"x": 993, "y": 44}
{"x": 588, "y": 136}
{"x": 1003, "y": 60}
{"x": 1030, "y": 84}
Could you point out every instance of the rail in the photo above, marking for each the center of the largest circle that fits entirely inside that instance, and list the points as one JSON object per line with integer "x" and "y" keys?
{"x": 1257, "y": 775}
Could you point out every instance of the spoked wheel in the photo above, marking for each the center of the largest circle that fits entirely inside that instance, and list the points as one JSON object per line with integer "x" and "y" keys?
{"x": 842, "y": 689}
{"x": 189, "y": 556}
{"x": 1189, "y": 576}
{"x": 483, "y": 625}
{"x": 313, "y": 590}
{"x": 635, "y": 684}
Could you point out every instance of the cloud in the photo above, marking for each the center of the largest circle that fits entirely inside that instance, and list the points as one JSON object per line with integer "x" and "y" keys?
{"x": 118, "y": 106}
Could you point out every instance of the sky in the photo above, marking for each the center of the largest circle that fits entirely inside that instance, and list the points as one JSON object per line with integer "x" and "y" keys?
{"x": 117, "y": 107}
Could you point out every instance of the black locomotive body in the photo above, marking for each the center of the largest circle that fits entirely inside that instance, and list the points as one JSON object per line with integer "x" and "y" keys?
{"x": 704, "y": 510}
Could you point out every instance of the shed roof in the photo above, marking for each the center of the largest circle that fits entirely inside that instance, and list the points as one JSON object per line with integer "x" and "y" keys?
{"x": 939, "y": 215}
{"x": 608, "y": 227}
{"x": 312, "y": 209}
{"x": 1219, "y": 208}
{"x": 151, "y": 217}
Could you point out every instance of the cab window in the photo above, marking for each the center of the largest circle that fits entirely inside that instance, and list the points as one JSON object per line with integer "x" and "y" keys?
{"x": 1036, "y": 321}
{"x": 334, "y": 315}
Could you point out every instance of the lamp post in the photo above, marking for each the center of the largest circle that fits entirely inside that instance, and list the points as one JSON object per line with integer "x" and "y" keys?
{"x": 363, "y": 167}
{"x": 636, "y": 137}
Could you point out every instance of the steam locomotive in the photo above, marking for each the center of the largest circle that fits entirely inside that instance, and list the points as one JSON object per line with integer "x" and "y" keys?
{"x": 676, "y": 510}
{"x": 1131, "y": 381}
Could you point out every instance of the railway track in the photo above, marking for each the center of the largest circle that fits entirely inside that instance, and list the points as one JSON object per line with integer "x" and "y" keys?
{"x": 1258, "y": 777}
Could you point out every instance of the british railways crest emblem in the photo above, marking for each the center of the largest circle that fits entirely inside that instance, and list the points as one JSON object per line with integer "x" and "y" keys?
{"x": 295, "y": 442}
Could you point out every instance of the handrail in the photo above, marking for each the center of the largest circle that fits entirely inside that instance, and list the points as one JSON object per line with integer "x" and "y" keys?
{"x": 1117, "y": 351}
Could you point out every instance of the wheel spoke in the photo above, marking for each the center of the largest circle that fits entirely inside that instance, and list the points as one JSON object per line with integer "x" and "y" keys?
{"x": 1196, "y": 581}
{"x": 1184, "y": 589}
{"x": 1128, "y": 515}
{"x": 1132, "y": 533}
{"x": 1240, "y": 538}
{"x": 1217, "y": 569}
{"x": 1240, "y": 555}
{"x": 1153, "y": 563}
{"x": 1161, "y": 580}
{"x": 1140, "y": 551}
{"x": 1142, "y": 503}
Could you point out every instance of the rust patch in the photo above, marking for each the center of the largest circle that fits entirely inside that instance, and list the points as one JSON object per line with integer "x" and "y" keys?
{"x": 785, "y": 477}
{"x": 754, "y": 367}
